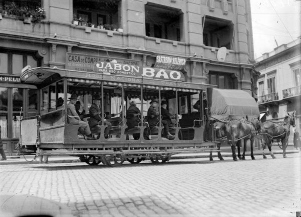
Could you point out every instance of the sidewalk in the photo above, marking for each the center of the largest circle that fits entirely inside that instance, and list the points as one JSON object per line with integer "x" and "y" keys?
{"x": 225, "y": 151}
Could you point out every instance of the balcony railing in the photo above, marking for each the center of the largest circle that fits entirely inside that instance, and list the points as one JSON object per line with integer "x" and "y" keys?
{"x": 294, "y": 91}
{"x": 268, "y": 98}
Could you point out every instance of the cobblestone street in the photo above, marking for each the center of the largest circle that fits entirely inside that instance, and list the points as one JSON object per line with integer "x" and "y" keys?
{"x": 189, "y": 187}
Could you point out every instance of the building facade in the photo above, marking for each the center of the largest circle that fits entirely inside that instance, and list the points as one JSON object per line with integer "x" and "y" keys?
{"x": 214, "y": 36}
{"x": 279, "y": 83}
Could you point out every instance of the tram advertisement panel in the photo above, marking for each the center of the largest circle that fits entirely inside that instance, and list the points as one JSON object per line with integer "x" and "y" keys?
{"x": 87, "y": 63}
{"x": 108, "y": 68}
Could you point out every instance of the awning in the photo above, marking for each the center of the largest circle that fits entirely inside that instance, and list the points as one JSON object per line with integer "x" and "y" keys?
{"x": 237, "y": 103}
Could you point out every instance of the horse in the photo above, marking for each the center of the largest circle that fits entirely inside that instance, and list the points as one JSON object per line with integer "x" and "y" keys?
{"x": 273, "y": 129}
{"x": 220, "y": 133}
{"x": 237, "y": 130}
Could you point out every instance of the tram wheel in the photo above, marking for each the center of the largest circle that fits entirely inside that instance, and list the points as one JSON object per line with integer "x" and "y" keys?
{"x": 158, "y": 158}
{"x": 134, "y": 160}
{"x": 114, "y": 159}
{"x": 83, "y": 158}
{"x": 93, "y": 160}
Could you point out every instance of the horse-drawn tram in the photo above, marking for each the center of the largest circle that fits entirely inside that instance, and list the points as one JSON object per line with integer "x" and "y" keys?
{"x": 122, "y": 112}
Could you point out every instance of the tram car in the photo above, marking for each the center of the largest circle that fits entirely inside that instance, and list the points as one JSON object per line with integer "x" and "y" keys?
{"x": 58, "y": 130}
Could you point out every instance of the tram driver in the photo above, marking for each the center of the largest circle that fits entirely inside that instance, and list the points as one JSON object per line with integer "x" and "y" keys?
{"x": 95, "y": 117}
{"x": 75, "y": 119}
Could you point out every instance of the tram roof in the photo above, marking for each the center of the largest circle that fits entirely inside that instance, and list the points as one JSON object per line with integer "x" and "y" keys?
{"x": 237, "y": 103}
{"x": 41, "y": 76}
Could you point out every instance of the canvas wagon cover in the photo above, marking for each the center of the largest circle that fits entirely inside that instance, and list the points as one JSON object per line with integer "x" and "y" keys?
{"x": 235, "y": 103}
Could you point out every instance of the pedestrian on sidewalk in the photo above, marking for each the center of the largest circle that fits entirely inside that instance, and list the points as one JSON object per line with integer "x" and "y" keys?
{"x": 1, "y": 147}
{"x": 297, "y": 142}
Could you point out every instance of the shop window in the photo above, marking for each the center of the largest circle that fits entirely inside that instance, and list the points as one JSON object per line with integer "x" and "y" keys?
{"x": 222, "y": 80}
{"x": 17, "y": 98}
{"x": 3, "y": 111}
{"x": 163, "y": 22}
{"x": 103, "y": 13}
{"x": 217, "y": 32}
{"x": 3, "y": 63}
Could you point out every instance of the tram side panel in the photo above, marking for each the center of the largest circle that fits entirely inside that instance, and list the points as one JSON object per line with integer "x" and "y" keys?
{"x": 29, "y": 132}
{"x": 52, "y": 127}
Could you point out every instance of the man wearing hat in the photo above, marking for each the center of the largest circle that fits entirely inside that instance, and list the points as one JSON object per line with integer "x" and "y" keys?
{"x": 132, "y": 119}
{"x": 95, "y": 116}
{"x": 166, "y": 120}
{"x": 153, "y": 118}
{"x": 73, "y": 117}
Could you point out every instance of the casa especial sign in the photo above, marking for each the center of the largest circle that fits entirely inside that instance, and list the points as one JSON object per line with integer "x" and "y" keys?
{"x": 122, "y": 67}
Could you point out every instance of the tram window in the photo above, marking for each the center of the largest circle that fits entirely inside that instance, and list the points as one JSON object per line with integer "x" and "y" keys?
{"x": 194, "y": 99}
{"x": 45, "y": 100}
{"x": 52, "y": 97}
{"x": 3, "y": 111}
{"x": 32, "y": 102}
{"x": 17, "y": 97}
{"x": 59, "y": 98}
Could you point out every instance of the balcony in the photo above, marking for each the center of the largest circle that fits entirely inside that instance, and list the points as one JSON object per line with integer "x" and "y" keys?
{"x": 268, "y": 98}
{"x": 291, "y": 92}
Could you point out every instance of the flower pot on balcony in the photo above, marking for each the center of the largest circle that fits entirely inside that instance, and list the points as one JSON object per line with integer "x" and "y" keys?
{"x": 120, "y": 30}
{"x": 76, "y": 22}
{"x": 27, "y": 20}
{"x": 88, "y": 29}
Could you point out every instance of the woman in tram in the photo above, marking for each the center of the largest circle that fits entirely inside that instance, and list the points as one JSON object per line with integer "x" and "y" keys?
{"x": 95, "y": 117}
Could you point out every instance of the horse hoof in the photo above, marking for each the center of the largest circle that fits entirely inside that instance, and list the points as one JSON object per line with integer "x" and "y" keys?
{"x": 264, "y": 157}
{"x": 284, "y": 156}
{"x": 253, "y": 158}
{"x": 221, "y": 159}
{"x": 273, "y": 157}
{"x": 211, "y": 159}
{"x": 235, "y": 159}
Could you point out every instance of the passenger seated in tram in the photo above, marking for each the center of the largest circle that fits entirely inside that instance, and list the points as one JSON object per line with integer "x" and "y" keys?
{"x": 95, "y": 117}
{"x": 132, "y": 115}
{"x": 75, "y": 119}
{"x": 153, "y": 116}
{"x": 132, "y": 119}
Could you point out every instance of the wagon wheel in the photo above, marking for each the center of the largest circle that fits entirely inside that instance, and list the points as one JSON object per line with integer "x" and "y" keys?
{"x": 114, "y": 159}
{"x": 134, "y": 160}
{"x": 93, "y": 160}
{"x": 159, "y": 158}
